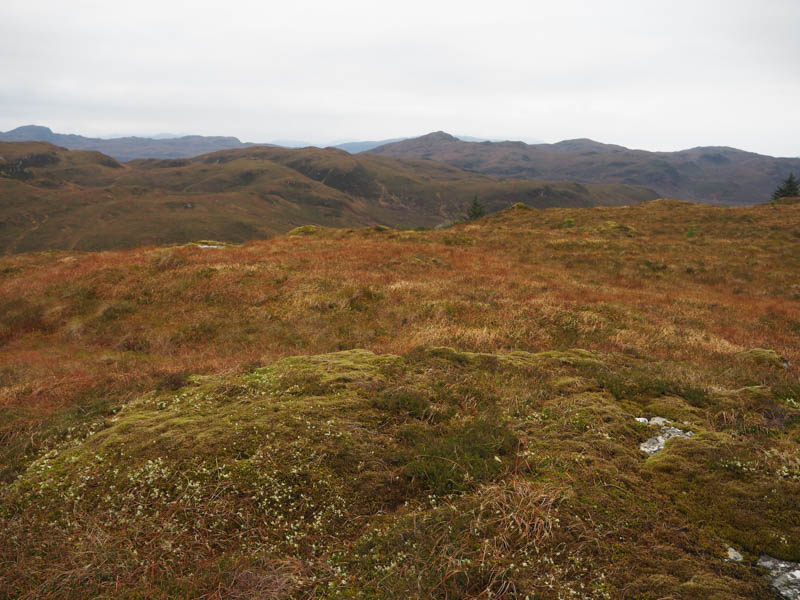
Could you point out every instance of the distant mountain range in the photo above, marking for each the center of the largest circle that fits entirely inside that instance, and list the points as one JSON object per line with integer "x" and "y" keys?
{"x": 168, "y": 145}
{"x": 713, "y": 175}
{"x": 126, "y": 148}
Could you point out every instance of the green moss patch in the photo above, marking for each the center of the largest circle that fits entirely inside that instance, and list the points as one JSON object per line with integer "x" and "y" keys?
{"x": 764, "y": 357}
{"x": 436, "y": 474}
{"x": 305, "y": 230}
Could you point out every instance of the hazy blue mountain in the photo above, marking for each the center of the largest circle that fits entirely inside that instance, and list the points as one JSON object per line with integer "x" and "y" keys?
{"x": 356, "y": 147}
{"x": 127, "y": 148}
{"x": 292, "y": 144}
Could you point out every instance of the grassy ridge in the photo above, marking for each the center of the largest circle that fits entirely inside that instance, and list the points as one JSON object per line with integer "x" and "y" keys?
{"x": 59, "y": 199}
{"x": 432, "y": 414}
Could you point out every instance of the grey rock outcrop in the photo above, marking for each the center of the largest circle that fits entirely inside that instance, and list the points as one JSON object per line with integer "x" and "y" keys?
{"x": 657, "y": 443}
{"x": 784, "y": 576}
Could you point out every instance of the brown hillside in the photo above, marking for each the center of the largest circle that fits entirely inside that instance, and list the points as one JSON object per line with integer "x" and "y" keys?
{"x": 711, "y": 175}
{"x": 57, "y": 198}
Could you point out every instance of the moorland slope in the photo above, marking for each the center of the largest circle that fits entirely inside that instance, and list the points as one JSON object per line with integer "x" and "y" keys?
{"x": 712, "y": 175}
{"x": 457, "y": 413}
{"x": 54, "y": 198}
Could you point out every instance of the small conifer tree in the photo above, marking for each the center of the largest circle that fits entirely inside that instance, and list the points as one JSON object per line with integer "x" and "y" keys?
{"x": 476, "y": 210}
{"x": 789, "y": 188}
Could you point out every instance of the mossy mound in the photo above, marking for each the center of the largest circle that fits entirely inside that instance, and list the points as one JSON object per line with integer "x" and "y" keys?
{"x": 614, "y": 228}
{"x": 437, "y": 474}
{"x": 326, "y": 372}
{"x": 764, "y": 357}
{"x": 305, "y": 230}
{"x": 749, "y": 499}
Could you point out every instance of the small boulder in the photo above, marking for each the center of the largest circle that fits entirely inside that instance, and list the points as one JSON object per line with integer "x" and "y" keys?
{"x": 784, "y": 576}
{"x": 734, "y": 555}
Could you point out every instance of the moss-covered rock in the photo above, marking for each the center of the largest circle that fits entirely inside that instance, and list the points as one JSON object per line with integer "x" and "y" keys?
{"x": 304, "y": 230}
{"x": 614, "y": 228}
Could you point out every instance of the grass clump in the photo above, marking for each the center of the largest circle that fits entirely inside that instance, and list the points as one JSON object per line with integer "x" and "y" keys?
{"x": 167, "y": 260}
{"x": 411, "y": 402}
{"x": 448, "y": 461}
{"x": 19, "y": 316}
{"x": 116, "y": 311}
{"x": 632, "y": 383}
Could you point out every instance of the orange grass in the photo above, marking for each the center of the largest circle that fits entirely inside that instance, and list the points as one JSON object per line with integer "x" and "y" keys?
{"x": 516, "y": 281}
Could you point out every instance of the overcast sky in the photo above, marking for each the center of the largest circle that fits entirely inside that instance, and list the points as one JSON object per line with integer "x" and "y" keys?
{"x": 653, "y": 74}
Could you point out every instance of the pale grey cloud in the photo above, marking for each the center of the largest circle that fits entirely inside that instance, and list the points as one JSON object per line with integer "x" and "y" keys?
{"x": 646, "y": 73}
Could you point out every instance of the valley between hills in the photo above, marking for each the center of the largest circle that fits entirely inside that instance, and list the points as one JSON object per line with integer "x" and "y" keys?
{"x": 709, "y": 174}
{"x": 53, "y": 198}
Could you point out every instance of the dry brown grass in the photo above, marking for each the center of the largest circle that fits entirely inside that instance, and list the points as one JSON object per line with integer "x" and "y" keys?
{"x": 518, "y": 282}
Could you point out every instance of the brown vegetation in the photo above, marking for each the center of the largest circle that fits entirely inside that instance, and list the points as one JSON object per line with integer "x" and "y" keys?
{"x": 475, "y": 454}
{"x": 58, "y": 199}
{"x": 714, "y": 175}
